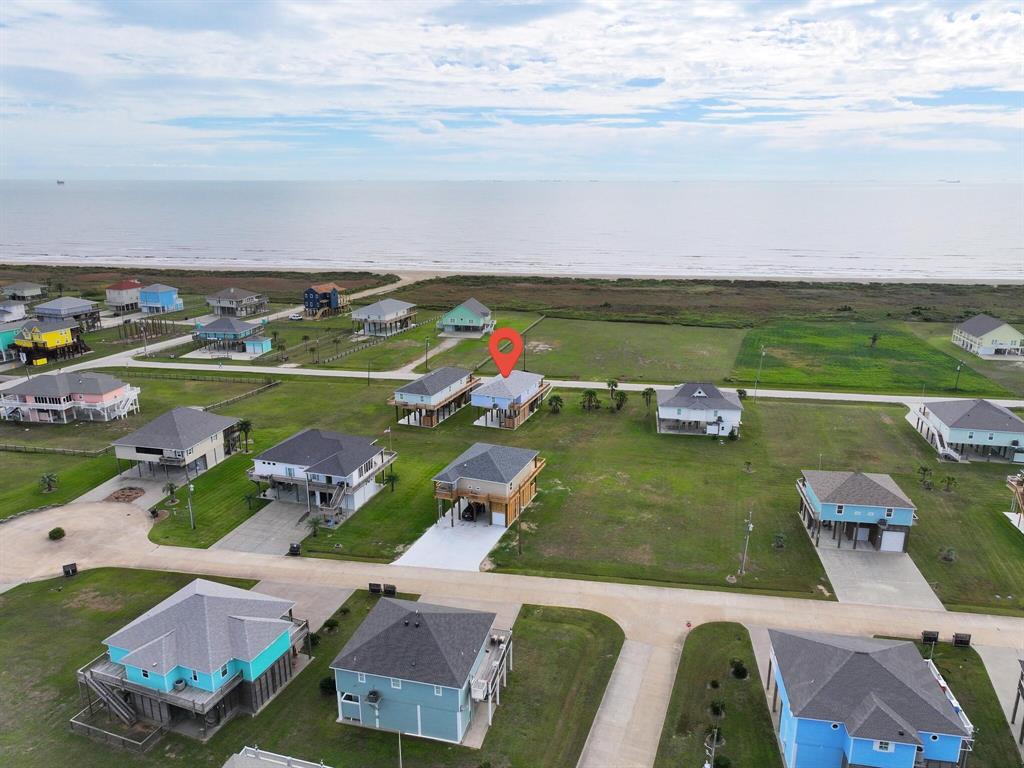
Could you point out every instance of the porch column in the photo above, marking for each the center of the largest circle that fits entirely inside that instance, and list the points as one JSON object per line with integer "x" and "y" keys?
{"x": 769, "y": 683}
{"x": 856, "y": 534}
{"x": 775, "y": 699}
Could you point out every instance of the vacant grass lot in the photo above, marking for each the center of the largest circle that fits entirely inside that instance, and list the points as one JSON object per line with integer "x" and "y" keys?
{"x": 1005, "y": 373}
{"x": 839, "y": 356}
{"x": 564, "y": 658}
{"x": 21, "y": 489}
{"x": 746, "y": 723}
{"x": 964, "y": 670}
{"x": 469, "y": 353}
{"x": 578, "y": 349}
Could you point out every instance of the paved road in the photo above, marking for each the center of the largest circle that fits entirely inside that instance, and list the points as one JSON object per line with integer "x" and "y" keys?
{"x": 653, "y": 618}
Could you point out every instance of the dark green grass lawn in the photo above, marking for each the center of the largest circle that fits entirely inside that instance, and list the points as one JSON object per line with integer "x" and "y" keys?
{"x": 21, "y": 489}
{"x": 964, "y": 670}
{"x": 838, "y": 356}
{"x": 1007, "y": 373}
{"x": 469, "y": 353}
{"x": 563, "y": 659}
{"x": 746, "y": 723}
{"x": 597, "y": 351}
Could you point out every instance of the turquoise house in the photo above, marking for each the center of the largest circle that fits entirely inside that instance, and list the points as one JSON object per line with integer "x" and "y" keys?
{"x": 158, "y": 298}
{"x": 198, "y": 658}
{"x": 422, "y": 670}
{"x": 855, "y": 701}
{"x": 858, "y": 509}
{"x": 470, "y": 318}
{"x": 8, "y": 331}
{"x": 233, "y": 335}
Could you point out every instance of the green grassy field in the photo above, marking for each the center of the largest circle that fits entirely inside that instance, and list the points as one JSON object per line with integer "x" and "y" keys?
{"x": 594, "y": 350}
{"x": 745, "y": 724}
{"x": 21, "y": 489}
{"x": 964, "y": 670}
{"x": 839, "y": 356}
{"x": 564, "y": 658}
{"x": 469, "y": 353}
{"x": 1005, "y": 373}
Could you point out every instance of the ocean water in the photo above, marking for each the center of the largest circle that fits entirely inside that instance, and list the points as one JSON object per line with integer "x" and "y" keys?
{"x": 686, "y": 229}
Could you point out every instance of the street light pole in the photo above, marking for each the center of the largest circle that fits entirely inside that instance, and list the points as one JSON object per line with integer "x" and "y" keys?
{"x": 959, "y": 365}
{"x": 749, "y": 528}
{"x": 191, "y": 517}
{"x": 426, "y": 358}
{"x": 757, "y": 380}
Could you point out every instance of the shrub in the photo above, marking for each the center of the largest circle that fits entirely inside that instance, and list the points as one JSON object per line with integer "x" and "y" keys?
{"x": 721, "y": 761}
{"x": 330, "y": 625}
{"x": 739, "y": 669}
{"x": 343, "y": 611}
{"x": 742, "y": 394}
{"x": 56, "y": 534}
{"x": 314, "y": 639}
{"x": 949, "y": 555}
{"x": 779, "y": 540}
{"x": 713, "y": 733}
{"x": 717, "y": 707}
{"x": 714, "y": 684}
{"x": 328, "y": 685}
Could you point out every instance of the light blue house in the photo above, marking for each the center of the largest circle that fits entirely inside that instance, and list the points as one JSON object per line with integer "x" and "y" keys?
{"x": 964, "y": 430}
{"x": 508, "y": 401}
{"x": 852, "y": 701}
{"x": 192, "y": 662}
{"x": 158, "y": 298}
{"x": 470, "y": 318}
{"x": 232, "y": 334}
{"x": 863, "y": 508}
{"x": 422, "y": 670}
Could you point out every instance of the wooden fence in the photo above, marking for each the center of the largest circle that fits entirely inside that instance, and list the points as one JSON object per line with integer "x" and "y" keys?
{"x": 49, "y": 449}
{"x": 244, "y": 395}
{"x": 525, "y": 331}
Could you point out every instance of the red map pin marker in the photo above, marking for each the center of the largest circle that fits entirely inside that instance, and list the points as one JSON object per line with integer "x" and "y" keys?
{"x": 505, "y": 361}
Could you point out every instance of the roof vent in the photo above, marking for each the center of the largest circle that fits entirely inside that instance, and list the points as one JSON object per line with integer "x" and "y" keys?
{"x": 406, "y": 622}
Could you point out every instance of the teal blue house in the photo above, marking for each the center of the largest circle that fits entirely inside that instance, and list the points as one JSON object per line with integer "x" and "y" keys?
{"x": 859, "y": 702}
{"x": 7, "y": 333}
{"x": 233, "y": 335}
{"x": 422, "y": 670}
{"x": 470, "y": 318}
{"x": 198, "y": 658}
{"x": 158, "y": 298}
{"x": 856, "y": 509}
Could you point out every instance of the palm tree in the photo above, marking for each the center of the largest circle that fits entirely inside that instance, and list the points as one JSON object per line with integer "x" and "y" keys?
{"x": 555, "y": 403}
{"x": 926, "y": 476}
{"x": 171, "y": 489}
{"x": 273, "y": 335}
{"x": 950, "y": 482}
{"x": 305, "y": 341}
{"x": 649, "y": 397}
{"x": 589, "y": 400}
{"x": 48, "y": 482}
{"x": 313, "y": 522}
{"x": 874, "y": 338}
{"x": 619, "y": 398}
{"x": 245, "y": 427}
{"x": 612, "y": 386}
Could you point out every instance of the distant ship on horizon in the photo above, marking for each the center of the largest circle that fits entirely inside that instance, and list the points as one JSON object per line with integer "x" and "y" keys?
{"x": 60, "y": 182}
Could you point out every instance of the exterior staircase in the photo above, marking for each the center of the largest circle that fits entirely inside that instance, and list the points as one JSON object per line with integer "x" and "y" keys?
{"x": 115, "y": 704}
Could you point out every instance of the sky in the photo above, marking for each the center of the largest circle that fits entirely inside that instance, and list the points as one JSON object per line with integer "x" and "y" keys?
{"x": 401, "y": 89}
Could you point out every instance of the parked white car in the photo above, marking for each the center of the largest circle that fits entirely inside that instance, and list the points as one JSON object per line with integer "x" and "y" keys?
{"x": 294, "y": 316}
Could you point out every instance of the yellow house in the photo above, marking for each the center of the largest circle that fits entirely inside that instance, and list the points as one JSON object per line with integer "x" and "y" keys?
{"x": 39, "y": 342}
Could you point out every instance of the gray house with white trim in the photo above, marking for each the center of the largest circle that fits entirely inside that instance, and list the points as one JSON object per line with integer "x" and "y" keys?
{"x": 385, "y": 317}
{"x": 962, "y": 430}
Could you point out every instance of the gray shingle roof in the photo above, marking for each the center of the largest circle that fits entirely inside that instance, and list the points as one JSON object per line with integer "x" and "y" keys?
{"x": 867, "y": 488}
{"x": 228, "y": 325}
{"x": 21, "y": 287}
{"x": 699, "y": 395}
{"x": 381, "y": 308}
{"x": 979, "y": 325}
{"x": 487, "y": 462}
{"x": 48, "y": 324}
{"x": 159, "y": 288}
{"x": 178, "y": 429}
{"x": 435, "y": 381}
{"x": 440, "y": 651}
{"x": 881, "y": 689}
{"x": 61, "y": 384}
{"x": 232, "y": 294}
{"x": 514, "y": 385}
{"x": 203, "y": 626}
{"x": 66, "y": 304}
{"x": 476, "y": 307}
{"x": 323, "y": 452}
{"x": 976, "y": 414}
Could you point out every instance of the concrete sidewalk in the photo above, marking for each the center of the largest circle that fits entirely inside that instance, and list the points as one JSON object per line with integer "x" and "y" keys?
{"x": 1003, "y": 667}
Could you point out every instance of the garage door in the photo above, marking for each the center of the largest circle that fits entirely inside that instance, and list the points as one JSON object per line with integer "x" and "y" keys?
{"x": 892, "y": 541}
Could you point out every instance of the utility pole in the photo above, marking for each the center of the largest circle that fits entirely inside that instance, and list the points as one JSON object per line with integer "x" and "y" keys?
{"x": 426, "y": 359}
{"x": 959, "y": 365}
{"x": 191, "y": 517}
{"x": 757, "y": 380}
{"x": 399, "y": 749}
{"x": 748, "y": 526}
{"x": 709, "y": 751}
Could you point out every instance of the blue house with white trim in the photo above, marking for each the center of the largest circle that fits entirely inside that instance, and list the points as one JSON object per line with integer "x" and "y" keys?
{"x": 234, "y": 335}
{"x": 846, "y": 701}
{"x": 158, "y": 298}
{"x": 195, "y": 660}
{"x": 422, "y": 670}
{"x": 863, "y": 509}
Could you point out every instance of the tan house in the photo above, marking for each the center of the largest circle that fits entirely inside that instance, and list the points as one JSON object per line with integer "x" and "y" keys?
{"x": 984, "y": 335}
{"x": 183, "y": 439}
{"x": 490, "y": 483}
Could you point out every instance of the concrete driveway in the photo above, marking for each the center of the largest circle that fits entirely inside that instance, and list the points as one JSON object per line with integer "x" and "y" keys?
{"x": 314, "y": 602}
{"x": 269, "y": 531}
{"x": 877, "y": 578}
{"x": 459, "y": 548}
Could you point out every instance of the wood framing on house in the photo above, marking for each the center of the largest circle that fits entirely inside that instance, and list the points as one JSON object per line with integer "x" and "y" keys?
{"x": 497, "y": 482}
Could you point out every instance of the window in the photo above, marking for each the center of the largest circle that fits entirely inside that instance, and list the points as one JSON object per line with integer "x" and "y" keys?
{"x": 195, "y": 675}
{"x": 883, "y": 746}
{"x": 970, "y": 435}
{"x": 224, "y": 671}
{"x": 839, "y": 509}
{"x": 889, "y": 512}
{"x": 438, "y": 690}
{"x": 990, "y": 435}
{"x": 145, "y": 673}
{"x": 396, "y": 683}
{"x": 350, "y": 698}
{"x": 361, "y": 677}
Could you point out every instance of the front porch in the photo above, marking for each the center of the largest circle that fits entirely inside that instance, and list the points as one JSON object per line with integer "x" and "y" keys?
{"x": 423, "y": 415}
{"x": 513, "y": 416}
